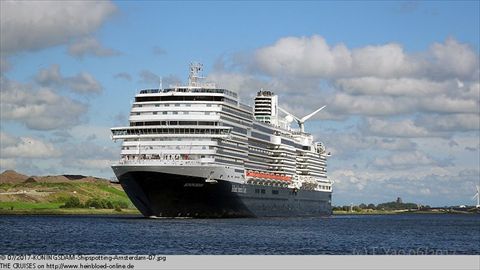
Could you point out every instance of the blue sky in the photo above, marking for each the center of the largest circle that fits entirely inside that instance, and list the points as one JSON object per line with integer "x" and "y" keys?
{"x": 400, "y": 81}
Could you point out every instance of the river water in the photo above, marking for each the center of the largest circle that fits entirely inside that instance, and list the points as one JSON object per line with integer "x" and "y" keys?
{"x": 336, "y": 235}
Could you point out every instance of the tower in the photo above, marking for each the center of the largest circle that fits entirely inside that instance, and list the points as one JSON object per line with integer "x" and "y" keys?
{"x": 266, "y": 107}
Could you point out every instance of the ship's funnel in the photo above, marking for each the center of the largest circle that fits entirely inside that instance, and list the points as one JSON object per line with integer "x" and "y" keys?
{"x": 301, "y": 121}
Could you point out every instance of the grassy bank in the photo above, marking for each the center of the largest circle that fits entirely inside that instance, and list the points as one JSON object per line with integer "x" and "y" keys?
{"x": 53, "y": 198}
{"x": 67, "y": 211}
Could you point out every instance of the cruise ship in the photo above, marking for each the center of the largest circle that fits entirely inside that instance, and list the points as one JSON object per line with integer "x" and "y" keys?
{"x": 196, "y": 151}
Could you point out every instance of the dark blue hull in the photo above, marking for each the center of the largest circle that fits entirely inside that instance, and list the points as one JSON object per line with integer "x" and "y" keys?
{"x": 167, "y": 195}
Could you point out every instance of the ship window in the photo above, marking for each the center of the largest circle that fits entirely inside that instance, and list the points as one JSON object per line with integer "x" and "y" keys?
{"x": 263, "y": 191}
{"x": 274, "y": 191}
{"x": 164, "y": 112}
{"x": 257, "y": 190}
{"x": 175, "y": 112}
{"x": 156, "y": 105}
{"x": 177, "y": 105}
{"x": 154, "y": 112}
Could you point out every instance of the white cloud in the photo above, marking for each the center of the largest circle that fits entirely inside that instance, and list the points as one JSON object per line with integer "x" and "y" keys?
{"x": 245, "y": 84}
{"x": 402, "y": 128}
{"x": 40, "y": 109}
{"x": 386, "y": 61}
{"x": 51, "y": 22}
{"x": 444, "y": 103}
{"x": 96, "y": 164}
{"x": 393, "y": 87}
{"x": 473, "y": 91}
{"x": 395, "y": 144}
{"x": 370, "y": 105}
{"x": 403, "y": 160}
{"x": 451, "y": 122}
{"x": 90, "y": 46}
{"x": 313, "y": 57}
{"x": 7, "y": 164}
{"x": 49, "y": 76}
{"x": 7, "y": 140}
{"x": 28, "y": 147}
{"x": 453, "y": 59}
{"x": 436, "y": 187}
{"x": 304, "y": 56}
{"x": 350, "y": 145}
{"x": 82, "y": 83}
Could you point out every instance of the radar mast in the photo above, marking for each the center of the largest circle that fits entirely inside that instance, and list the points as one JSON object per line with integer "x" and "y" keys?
{"x": 194, "y": 77}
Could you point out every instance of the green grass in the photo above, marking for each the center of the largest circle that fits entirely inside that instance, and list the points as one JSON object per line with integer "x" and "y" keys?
{"x": 68, "y": 211}
{"x": 58, "y": 194}
{"x": 113, "y": 190}
{"x": 29, "y": 205}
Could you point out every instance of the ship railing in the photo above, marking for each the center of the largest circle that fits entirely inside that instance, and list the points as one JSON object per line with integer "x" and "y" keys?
{"x": 161, "y": 162}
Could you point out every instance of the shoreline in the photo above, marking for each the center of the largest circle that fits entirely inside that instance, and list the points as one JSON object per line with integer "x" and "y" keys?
{"x": 69, "y": 211}
{"x": 130, "y": 211}
{"x": 402, "y": 212}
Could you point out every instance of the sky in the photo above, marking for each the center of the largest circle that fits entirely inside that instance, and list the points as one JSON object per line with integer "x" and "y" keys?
{"x": 401, "y": 81}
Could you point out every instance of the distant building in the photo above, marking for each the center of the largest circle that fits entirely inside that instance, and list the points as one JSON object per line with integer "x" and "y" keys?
{"x": 399, "y": 200}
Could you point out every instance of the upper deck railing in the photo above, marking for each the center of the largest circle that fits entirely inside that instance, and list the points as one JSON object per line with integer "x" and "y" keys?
{"x": 190, "y": 90}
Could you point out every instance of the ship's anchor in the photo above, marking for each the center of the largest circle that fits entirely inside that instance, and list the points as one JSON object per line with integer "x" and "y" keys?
{"x": 210, "y": 180}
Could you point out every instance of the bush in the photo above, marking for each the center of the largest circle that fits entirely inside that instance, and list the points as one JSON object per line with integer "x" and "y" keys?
{"x": 72, "y": 202}
{"x": 121, "y": 204}
{"x": 95, "y": 203}
{"x": 105, "y": 204}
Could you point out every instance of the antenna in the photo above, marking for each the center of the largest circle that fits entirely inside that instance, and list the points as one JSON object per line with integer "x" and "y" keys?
{"x": 160, "y": 87}
{"x": 301, "y": 121}
{"x": 195, "y": 69}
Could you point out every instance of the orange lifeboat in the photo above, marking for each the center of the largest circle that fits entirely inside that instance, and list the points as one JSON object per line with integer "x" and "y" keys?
{"x": 269, "y": 176}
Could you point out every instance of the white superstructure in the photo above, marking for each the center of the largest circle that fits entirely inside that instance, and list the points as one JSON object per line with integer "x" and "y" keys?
{"x": 200, "y": 130}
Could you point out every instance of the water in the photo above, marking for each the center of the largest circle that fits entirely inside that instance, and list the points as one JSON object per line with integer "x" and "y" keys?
{"x": 370, "y": 234}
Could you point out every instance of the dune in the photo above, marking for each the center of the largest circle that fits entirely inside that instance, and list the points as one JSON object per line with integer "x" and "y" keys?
{"x": 10, "y": 176}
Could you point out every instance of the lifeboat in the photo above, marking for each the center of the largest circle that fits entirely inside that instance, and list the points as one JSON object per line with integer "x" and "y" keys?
{"x": 269, "y": 176}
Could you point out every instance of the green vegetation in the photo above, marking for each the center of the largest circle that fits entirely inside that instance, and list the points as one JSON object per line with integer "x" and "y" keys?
{"x": 394, "y": 207}
{"x": 97, "y": 203}
{"x": 397, "y": 206}
{"x": 75, "y": 197}
{"x": 29, "y": 205}
{"x": 72, "y": 202}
